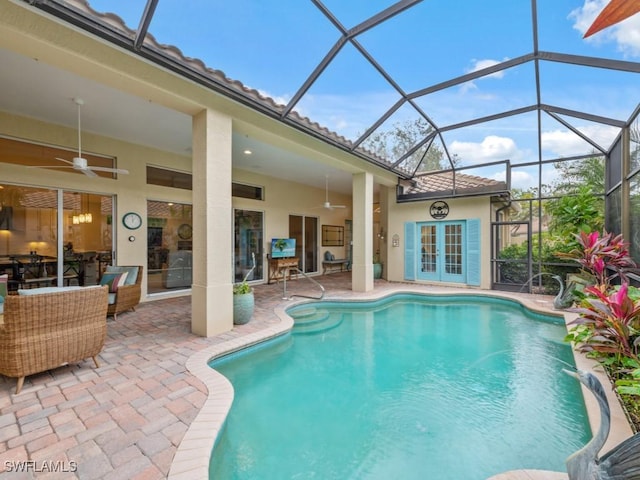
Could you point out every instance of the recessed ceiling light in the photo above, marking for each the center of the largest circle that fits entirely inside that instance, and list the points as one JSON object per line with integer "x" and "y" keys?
{"x": 247, "y": 152}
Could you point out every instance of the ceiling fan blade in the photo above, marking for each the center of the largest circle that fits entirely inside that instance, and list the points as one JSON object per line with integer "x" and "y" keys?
{"x": 88, "y": 172}
{"x": 339, "y": 206}
{"x": 64, "y": 160}
{"x": 110, "y": 170}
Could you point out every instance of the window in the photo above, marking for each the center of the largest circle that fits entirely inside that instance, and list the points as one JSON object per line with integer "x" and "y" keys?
{"x": 21, "y": 152}
{"x": 251, "y": 192}
{"x": 169, "y": 178}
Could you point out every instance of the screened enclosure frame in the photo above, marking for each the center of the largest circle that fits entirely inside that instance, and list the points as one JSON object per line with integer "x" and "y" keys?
{"x": 621, "y": 173}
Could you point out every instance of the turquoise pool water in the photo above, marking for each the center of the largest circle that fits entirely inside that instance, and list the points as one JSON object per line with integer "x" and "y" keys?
{"x": 410, "y": 387}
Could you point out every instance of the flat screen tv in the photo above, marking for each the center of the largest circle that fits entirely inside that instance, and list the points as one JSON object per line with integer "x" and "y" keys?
{"x": 283, "y": 247}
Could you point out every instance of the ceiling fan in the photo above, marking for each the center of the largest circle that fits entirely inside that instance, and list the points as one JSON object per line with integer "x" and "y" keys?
{"x": 327, "y": 203}
{"x": 79, "y": 163}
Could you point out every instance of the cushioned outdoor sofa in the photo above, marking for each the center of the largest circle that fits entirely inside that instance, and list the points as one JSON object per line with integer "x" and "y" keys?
{"x": 44, "y": 328}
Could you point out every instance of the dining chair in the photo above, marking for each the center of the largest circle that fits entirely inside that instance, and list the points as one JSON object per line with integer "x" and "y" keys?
{"x": 32, "y": 272}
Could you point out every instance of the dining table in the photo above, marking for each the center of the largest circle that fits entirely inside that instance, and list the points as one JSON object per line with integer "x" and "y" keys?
{"x": 18, "y": 264}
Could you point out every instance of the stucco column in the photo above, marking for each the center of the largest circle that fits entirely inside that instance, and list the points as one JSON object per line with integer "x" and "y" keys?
{"x": 362, "y": 270}
{"x": 212, "y": 289}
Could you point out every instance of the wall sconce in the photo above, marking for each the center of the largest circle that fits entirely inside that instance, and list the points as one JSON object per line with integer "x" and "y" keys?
{"x": 395, "y": 240}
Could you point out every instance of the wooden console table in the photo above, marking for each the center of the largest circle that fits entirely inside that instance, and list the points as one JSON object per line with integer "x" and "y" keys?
{"x": 279, "y": 267}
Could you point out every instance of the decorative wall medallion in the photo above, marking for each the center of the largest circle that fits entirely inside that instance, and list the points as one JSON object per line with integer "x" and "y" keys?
{"x": 439, "y": 210}
{"x": 185, "y": 231}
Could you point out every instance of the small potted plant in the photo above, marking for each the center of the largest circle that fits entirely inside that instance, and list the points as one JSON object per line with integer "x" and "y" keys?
{"x": 377, "y": 266}
{"x": 243, "y": 301}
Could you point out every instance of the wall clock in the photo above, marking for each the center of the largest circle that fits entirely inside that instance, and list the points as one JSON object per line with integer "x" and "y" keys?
{"x": 132, "y": 220}
{"x": 185, "y": 231}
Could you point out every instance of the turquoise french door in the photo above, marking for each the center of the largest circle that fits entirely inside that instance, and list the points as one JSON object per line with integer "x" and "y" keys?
{"x": 441, "y": 251}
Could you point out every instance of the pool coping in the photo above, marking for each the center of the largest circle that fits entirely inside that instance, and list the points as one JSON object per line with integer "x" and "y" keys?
{"x": 193, "y": 455}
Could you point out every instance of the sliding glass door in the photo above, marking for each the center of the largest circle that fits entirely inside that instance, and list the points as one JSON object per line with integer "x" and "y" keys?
{"x": 52, "y": 237}
{"x": 248, "y": 244}
{"x": 305, "y": 231}
{"x": 169, "y": 246}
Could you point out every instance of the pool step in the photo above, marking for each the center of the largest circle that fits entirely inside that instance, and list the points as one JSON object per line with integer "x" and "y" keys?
{"x": 313, "y": 320}
{"x": 309, "y": 315}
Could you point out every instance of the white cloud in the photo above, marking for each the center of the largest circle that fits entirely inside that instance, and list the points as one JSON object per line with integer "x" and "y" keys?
{"x": 486, "y": 63}
{"x": 519, "y": 179}
{"x": 625, "y": 34}
{"x": 584, "y": 16}
{"x": 492, "y": 148}
{"x": 565, "y": 143}
{"x": 477, "y": 65}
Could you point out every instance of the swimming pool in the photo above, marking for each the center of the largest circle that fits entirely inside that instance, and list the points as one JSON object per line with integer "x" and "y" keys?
{"x": 409, "y": 386}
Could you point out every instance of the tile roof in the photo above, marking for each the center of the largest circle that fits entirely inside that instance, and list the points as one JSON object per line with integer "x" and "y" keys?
{"x": 444, "y": 182}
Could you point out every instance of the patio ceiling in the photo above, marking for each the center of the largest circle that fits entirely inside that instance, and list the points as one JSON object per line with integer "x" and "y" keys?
{"x": 518, "y": 83}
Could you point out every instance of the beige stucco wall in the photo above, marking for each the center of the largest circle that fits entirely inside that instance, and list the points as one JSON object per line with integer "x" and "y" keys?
{"x": 282, "y": 198}
{"x": 459, "y": 209}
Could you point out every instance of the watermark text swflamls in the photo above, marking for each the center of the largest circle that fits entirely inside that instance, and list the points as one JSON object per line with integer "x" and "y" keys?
{"x": 59, "y": 466}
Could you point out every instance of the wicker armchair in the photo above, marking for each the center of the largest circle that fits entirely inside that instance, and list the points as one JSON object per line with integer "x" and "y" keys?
{"x": 127, "y": 297}
{"x": 41, "y": 331}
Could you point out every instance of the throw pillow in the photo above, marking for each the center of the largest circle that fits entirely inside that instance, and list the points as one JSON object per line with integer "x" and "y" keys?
{"x": 113, "y": 280}
{"x": 4, "y": 281}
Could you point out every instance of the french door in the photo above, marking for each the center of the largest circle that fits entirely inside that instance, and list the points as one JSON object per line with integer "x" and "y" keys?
{"x": 441, "y": 251}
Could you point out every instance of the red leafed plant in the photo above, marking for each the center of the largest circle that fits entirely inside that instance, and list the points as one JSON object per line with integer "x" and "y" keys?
{"x": 612, "y": 322}
{"x": 608, "y": 325}
{"x": 602, "y": 256}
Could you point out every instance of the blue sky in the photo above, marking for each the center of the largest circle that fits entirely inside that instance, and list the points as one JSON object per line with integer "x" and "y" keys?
{"x": 274, "y": 46}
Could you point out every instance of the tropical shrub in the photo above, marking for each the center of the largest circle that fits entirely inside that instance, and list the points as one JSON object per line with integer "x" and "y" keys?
{"x": 608, "y": 325}
{"x": 612, "y": 322}
{"x": 572, "y": 214}
{"x": 599, "y": 256}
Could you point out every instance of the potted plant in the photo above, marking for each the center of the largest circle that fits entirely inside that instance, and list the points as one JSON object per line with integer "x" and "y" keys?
{"x": 377, "y": 266}
{"x": 243, "y": 301}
